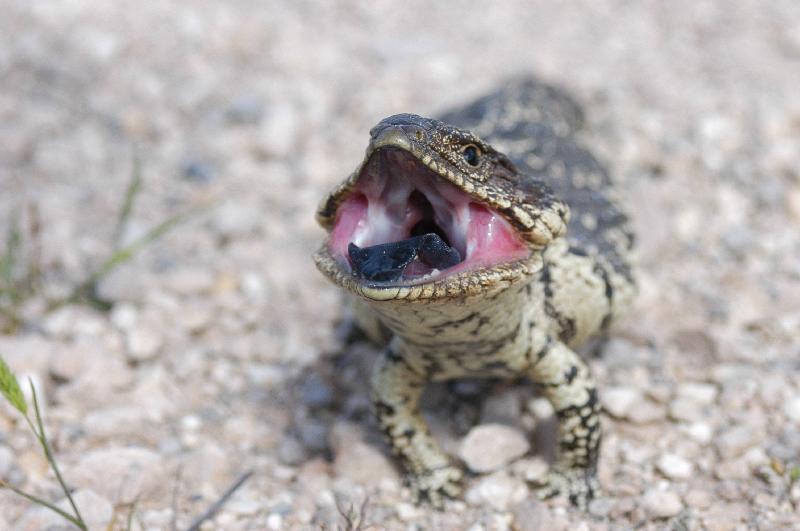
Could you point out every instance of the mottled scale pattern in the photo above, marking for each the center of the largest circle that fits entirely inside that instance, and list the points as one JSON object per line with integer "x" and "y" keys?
{"x": 535, "y": 125}
{"x": 522, "y": 318}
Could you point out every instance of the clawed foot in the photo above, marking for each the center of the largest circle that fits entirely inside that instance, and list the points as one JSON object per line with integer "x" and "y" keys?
{"x": 578, "y": 484}
{"x": 435, "y": 485}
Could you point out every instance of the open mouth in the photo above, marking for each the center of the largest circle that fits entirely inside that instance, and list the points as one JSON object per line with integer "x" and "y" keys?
{"x": 404, "y": 224}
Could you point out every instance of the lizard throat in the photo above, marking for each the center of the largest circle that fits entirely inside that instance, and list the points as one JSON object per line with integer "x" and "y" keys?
{"x": 398, "y": 200}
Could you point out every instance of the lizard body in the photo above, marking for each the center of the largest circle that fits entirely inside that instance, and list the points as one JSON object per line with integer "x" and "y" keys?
{"x": 496, "y": 181}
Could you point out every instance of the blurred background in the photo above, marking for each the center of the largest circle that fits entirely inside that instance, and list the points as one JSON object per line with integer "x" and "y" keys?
{"x": 203, "y": 134}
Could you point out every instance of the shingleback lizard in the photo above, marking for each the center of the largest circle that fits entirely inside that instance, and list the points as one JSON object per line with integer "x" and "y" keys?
{"x": 486, "y": 243}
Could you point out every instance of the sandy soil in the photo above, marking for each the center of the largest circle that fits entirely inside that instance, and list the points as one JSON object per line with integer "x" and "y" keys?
{"x": 220, "y": 353}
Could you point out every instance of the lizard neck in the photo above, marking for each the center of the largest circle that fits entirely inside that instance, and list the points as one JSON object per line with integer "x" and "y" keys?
{"x": 463, "y": 335}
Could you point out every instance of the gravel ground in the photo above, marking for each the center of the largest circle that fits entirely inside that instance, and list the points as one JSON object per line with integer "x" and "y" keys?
{"x": 221, "y": 352}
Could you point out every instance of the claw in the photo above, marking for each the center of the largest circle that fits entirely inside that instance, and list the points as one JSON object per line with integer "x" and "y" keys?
{"x": 436, "y": 485}
{"x": 579, "y": 485}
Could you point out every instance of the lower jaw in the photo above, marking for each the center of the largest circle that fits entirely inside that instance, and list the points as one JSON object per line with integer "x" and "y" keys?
{"x": 453, "y": 283}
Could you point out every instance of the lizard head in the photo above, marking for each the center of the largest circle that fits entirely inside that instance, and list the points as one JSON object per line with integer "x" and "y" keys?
{"x": 434, "y": 212}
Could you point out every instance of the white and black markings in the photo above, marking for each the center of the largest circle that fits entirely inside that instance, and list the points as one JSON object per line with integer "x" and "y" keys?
{"x": 510, "y": 319}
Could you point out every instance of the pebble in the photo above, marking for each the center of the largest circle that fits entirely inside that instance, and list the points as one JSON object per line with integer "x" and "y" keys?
{"x": 699, "y": 432}
{"x": 725, "y": 517}
{"x": 698, "y": 499}
{"x": 360, "y": 462}
{"x": 6, "y": 462}
{"x": 291, "y": 452}
{"x": 144, "y": 343}
{"x": 278, "y": 132}
{"x": 499, "y": 491}
{"x": 95, "y": 510}
{"x": 675, "y": 467}
{"x": 533, "y": 515}
{"x": 661, "y": 503}
{"x": 488, "y": 447}
{"x": 408, "y": 512}
{"x": 685, "y": 410}
{"x": 700, "y": 393}
{"x": 619, "y": 401}
{"x": 187, "y": 281}
{"x": 736, "y": 440}
{"x": 234, "y": 220}
{"x": 647, "y": 412}
{"x": 121, "y": 473}
{"x": 792, "y": 409}
{"x": 532, "y": 470}
{"x": 601, "y": 507}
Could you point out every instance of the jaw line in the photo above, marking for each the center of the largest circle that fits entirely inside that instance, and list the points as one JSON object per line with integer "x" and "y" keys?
{"x": 380, "y": 208}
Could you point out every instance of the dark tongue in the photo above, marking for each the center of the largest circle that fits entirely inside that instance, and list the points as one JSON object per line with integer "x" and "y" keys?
{"x": 386, "y": 262}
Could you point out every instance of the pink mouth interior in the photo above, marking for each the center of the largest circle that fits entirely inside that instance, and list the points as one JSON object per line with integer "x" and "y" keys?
{"x": 398, "y": 197}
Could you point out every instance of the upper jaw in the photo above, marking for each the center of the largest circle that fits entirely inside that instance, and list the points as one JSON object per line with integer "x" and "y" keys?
{"x": 402, "y": 182}
{"x": 396, "y": 200}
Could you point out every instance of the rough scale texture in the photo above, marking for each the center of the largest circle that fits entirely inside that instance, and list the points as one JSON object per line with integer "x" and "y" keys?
{"x": 519, "y": 319}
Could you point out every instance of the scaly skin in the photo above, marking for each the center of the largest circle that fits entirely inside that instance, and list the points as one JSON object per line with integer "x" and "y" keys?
{"x": 518, "y": 318}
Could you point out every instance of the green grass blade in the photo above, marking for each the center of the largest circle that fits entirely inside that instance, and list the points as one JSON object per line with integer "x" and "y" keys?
{"x": 9, "y": 258}
{"x": 50, "y": 459}
{"x": 131, "y": 193}
{"x": 43, "y": 503}
{"x": 10, "y": 388}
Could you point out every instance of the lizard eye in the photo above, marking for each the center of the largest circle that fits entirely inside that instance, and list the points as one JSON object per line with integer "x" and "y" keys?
{"x": 471, "y": 154}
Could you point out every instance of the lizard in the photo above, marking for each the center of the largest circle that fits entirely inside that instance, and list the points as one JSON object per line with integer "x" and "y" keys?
{"x": 485, "y": 243}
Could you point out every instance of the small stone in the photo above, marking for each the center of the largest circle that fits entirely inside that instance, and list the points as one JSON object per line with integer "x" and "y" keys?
{"x": 646, "y": 412}
{"x": 360, "y": 462}
{"x": 698, "y": 499}
{"x": 124, "y": 316}
{"x": 143, "y": 343}
{"x": 533, "y": 515}
{"x": 114, "y": 422}
{"x": 489, "y": 447}
{"x": 541, "y": 408}
{"x": 95, "y": 510}
{"x": 675, "y": 467}
{"x": 661, "y": 503}
{"x": 499, "y": 491}
{"x": 408, "y": 512}
{"x": 700, "y": 393}
{"x": 531, "y": 470}
{"x": 619, "y": 401}
{"x": 291, "y": 452}
{"x": 197, "y": 170}
{"x": 188, "y": 281}
{"x": 734, "y": 469}
{"x": 601, "y": 507}
{"x": 736, "y": 440}
{"x": 6, "y": 461}
{"x": 792, "y": 409}
{"x": 725, "y": 516}
{"x": 699, "y": 432}
{"x": 122, "y": 474}
{"x": 274, "y": 522}
{"x": 793, "y": 198}
{"x": 278, "y": 132}
{"x": 685, "y": 410}
{"x": 234, "y": 219}
{"x": 245, "y": 110}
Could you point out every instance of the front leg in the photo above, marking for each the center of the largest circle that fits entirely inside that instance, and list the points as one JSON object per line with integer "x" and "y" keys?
{"x": 396, "y": 390}
{"x": 568, "y": 384}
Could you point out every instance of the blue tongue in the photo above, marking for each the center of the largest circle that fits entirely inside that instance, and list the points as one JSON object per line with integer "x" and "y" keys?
{"x": 386, "y": 262}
